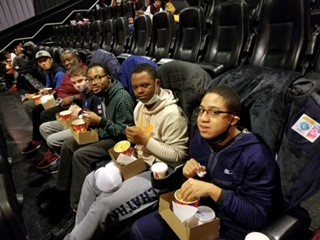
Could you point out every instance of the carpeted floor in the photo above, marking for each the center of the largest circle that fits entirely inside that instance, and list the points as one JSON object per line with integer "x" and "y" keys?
{"x": 28, "y": 180}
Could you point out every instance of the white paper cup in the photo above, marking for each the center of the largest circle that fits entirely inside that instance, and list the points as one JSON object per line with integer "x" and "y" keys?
{"x": 65, "y": 115}
{"x": 256, "y": 236}
{"x": 160, "y": 170}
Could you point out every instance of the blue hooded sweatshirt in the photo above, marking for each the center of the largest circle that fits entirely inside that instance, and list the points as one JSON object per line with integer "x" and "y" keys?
{"x": 249, "y": 177}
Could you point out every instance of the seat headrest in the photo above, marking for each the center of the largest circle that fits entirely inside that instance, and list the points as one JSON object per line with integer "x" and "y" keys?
{"x": 188, "y": 81}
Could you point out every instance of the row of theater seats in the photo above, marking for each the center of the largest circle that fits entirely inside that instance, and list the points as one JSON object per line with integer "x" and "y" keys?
{"x": 271, "y": 34}
{"x": 128, "y": 9}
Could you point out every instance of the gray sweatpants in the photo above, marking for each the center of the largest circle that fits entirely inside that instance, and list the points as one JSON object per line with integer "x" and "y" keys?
{"x": 97, "y": 210}
{"x": 76, "y": 162}
{"x": 55, "y": 134}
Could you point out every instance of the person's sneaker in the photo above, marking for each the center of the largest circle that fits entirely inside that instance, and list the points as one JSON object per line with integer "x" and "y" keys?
{"x": 32, "y": 146}
{"x": 53, "y": 169}
{"x": 64, "y": 227}
{"x": 50, "y": 158}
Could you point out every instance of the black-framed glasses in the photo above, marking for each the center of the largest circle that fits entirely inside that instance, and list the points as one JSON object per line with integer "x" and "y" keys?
{"x": 212, "y": 112}
{"x": 96, "y": 78}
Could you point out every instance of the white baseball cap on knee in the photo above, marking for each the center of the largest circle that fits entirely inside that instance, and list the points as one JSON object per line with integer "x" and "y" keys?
{"x": 108, "y": 178}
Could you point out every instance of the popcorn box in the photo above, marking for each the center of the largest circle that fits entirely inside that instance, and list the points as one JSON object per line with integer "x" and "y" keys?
{"x": 82, "y": 138}
{"x": 206, "y": 231}
{"x": 131, "y": 169}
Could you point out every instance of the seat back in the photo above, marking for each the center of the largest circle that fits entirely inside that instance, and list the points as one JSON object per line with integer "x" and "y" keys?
{"x": 188, "y": 81}
{"x": 86, "y": 36}
{"x": 142, "y": 35}
{"x": 283, "y": 34}
{"x": 116, "y": 12}
{"x": 190, "y": 34}
{"x": 128, "y": 10}
{"x": 121, "y": 34}
{"x": 100, "y": 14}
{"x": 163, "y": 35}
{"x": 97, "y": 34}
{"x": 64, "y": 30}
{"x": 108, "y": 35}
{"x": 91, "y": 14}
{"x": 229, "y": 33}
{"x": 79, "y": 36}
{"x": 71, "y": 35}
{"x": 57, "y": 35}
{"x": 107, "y": 13}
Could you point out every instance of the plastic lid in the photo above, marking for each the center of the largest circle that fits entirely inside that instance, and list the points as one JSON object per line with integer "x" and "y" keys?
{"x": 108, "y": 178}
{"x": 205, "y": 214}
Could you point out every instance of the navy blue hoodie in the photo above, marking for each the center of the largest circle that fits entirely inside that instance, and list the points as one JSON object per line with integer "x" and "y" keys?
{"x": 249, "y": 177}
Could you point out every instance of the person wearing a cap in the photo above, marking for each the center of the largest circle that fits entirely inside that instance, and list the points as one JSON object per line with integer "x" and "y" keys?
{"x": 64, "y": 90}
{"x": 160, "y": 134}
{"x": 53, "y": 78}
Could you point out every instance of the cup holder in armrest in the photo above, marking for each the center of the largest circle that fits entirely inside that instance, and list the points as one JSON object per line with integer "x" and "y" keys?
{"x": 171, "y": 182}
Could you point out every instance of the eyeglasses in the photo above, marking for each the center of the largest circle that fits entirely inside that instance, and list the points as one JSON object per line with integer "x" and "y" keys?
{"x": 96, "y": 78}
{"x": 211, "y": 112}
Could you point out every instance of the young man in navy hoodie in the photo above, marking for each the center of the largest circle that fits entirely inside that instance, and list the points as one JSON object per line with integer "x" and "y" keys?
{"x": 242, "y": 181}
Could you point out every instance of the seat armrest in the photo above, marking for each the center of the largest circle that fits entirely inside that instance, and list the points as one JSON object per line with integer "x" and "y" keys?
{"x": 286, "y": 227}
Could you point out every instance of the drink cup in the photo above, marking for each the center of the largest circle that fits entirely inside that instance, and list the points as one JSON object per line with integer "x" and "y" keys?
{"x": 49, "y": 90}
{"x": 123, "y": 147}
{"x": 204, "y": 215}
{"x": 79, "y": 125}
{"x": 159, "y": 170}
{"x": 65, "y": 115}
{"x": 37, "y": 99}
{"x": 178, "y": 198}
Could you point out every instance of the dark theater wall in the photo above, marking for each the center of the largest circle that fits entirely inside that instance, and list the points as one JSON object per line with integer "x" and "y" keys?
{"x": 41, "y": 5}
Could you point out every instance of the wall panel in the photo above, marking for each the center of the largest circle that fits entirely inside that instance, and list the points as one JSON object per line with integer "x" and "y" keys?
{"x": 15, "y": 11}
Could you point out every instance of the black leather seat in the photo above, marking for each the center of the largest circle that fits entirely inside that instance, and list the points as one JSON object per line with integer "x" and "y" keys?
{"x": 87, "y": 39}
{"x": 141, "y": 38}
{"x": 263, "y": 84}
{"x": 283, "y": 34}
{"x": 190, "y": 38}
{"x": 121, "y": 35}
{"x": 11, "y": 220}
{"x": 91, "y": 14}
{"x": 65, "y": 35}
{"x": 228, "y": 37}
{"x": 163, "y": 35}
{"x": 97, "y": 34}
{"x": 128, "y": 10}
{"x": 116, "y": 12}
{"x": 108, "y": 35}
{"x": 188, "y": 81}
{"x": 107, "y": 12}
{"x": 57, "y": 35}
{"x": 79, "y": 36}
{"x": 142, "y": 35}
{"x": 71, "y": 35}
{"x": 100, "y": 14}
